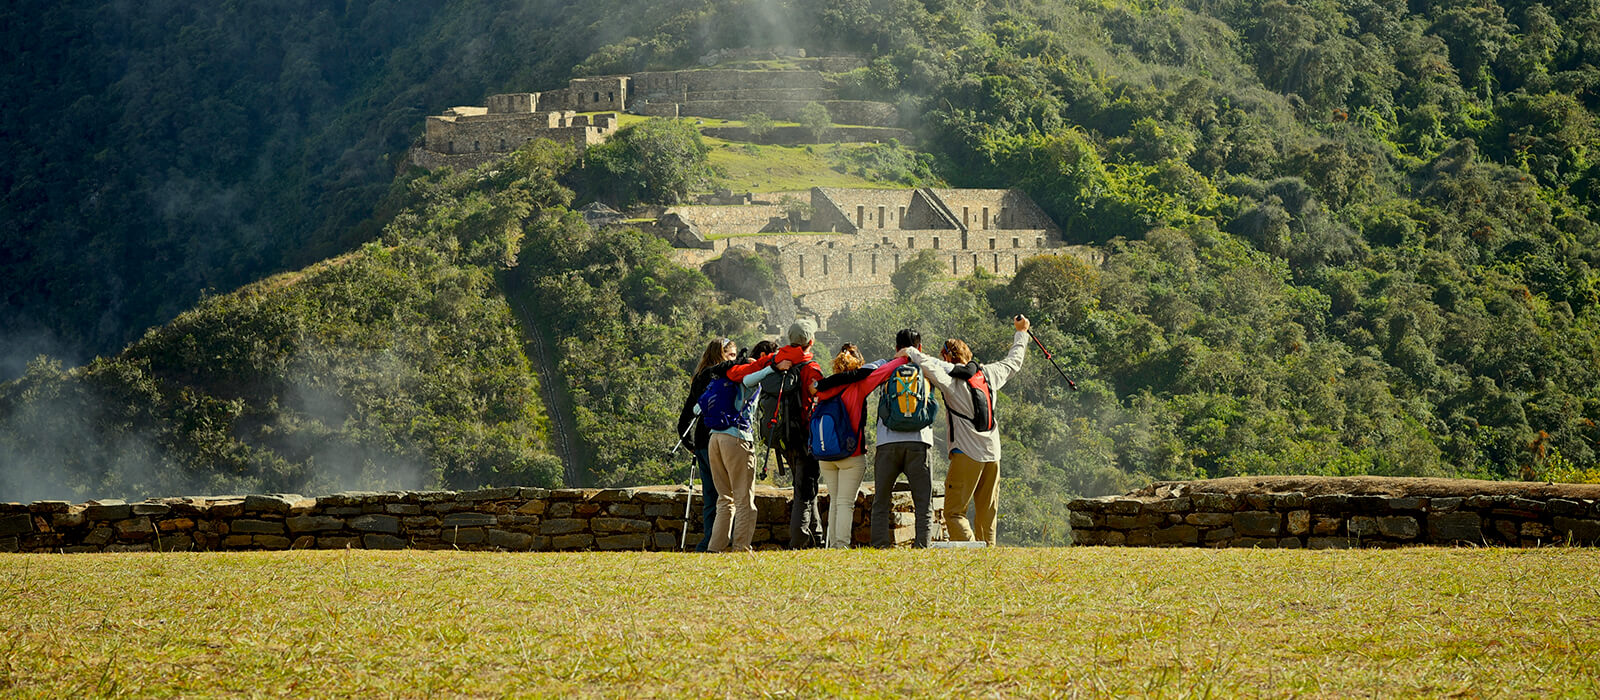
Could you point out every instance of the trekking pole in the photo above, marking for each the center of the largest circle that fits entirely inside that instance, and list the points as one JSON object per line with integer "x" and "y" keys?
{"x": 1052, "y": 359}
{"x": 692, "y": 465}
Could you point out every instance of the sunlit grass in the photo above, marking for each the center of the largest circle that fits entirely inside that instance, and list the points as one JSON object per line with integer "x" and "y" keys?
{"x": 1430, "y": 622}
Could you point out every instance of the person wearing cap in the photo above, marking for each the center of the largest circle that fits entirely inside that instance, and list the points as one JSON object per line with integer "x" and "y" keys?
{"x": 805, "y": 521}
{"x": 974, "y": 454}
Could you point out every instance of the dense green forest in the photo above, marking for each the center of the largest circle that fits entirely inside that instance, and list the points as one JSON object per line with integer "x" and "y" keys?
{"x": 1352, "y": 237}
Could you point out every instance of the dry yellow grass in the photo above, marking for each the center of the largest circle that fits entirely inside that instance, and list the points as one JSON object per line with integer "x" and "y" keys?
{"x": 1030, "y": 622}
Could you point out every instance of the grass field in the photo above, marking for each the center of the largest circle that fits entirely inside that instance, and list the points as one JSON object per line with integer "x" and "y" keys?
{"x": 1083, "y": 621}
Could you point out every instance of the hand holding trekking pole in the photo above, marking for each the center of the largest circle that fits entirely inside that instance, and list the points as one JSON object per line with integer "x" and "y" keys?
{"x": 683, "y": 438}
{"x": 1023, "y": 325}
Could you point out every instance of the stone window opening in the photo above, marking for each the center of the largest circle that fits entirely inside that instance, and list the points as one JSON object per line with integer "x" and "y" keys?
{"x": 953, "y": 269}
{"x": 611, "y": 97}
{"x": 935, "y": 242}
{"x": 991, "y": 244}
{"x": 802, "y": 266}
{"x": 1038, "y": 242}
{"x": 1016, "y": 243}
{"x": 896, "y": 262}
{"x": 874, "y": 263}
{"x": 886, "y": 240}
{"x": 449, "y": 147}
{"x": 475, "y": 147}
{"x": 997, "y": 263}
{"x": 985, "y": 218}
{"x": 861, "y": 211}
{"x": 824, "y": 266}
{"x": 1015, "y": 262}
{"x": 966, "y": 218}
{"x": 502, "y": 144}
{"x": 902, "y": 218}
{"x": 596, "y": 96}
{"x": 880, "y": 217}
{"x": 850, "y": 263}
{"x": 911, "y": 242}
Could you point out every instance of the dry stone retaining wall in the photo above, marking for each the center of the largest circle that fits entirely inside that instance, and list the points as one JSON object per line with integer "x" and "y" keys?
{"x": 1178, "y": 515}
{"x": 513, "y": 519}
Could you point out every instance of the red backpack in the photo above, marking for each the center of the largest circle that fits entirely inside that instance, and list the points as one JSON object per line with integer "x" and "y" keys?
{"x": 982, "y": 417}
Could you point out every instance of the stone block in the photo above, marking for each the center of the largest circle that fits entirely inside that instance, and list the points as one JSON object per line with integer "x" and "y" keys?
{"x": 462, "y": 535}
{"x": 467, "y": 520}
{"x": 49, "y": 507}
{"x": 586, "y": 509}
{"x": 1259, "y": 501}
{"x": 654, "y": 496}
{"x": 1178, "y": 534}
{"x": 1408, "y": 503}
{"x": 563, "y": 526}
{"x": 113, "y": 548}
{"x": 571, "y": 494}
{"x": 41, "y": 542}
{"x": 1220, "y": 534}
{"x": 1399, "y": 527}
{"x": 68, "y": 520}
{"x": 1506, "y": 529}
{"x": 135, "y": 529}
{"x": 505, "y": 539}
{"x": 1215, "y": 502}
{"x": 533, "y": 492}
{"x": 665, "y": 542}
{"x": 1298, "y": 522}
{"x": 1141, "y": 538}
{"x": 1290, "y": 543}
{"x": 1363, "y": 526}
{"x": 1326, "y": 525}
{"x": 246, "y": 526}
{"x": 377, "y": 540}
{"x": 1333, "y": 503}
{"x": 1256, "y": 523}
{"x": 1079, "y": 519}
{"x": 1444, "y": 528}
{"x": 536, "y": 508}
{"x": 626, "y": 510}
{"x": 1134, "y": 522}
{"x": 18, "y": 524}
{"x": 619, "y": 525}
{"x": 226, "y": 509}
{"x": 1445, "y": 505}
{"x": 337, "y": 542}
{"x": 620, "y": 542}
{"x": 1368, "y": 504}
{"x": 1256, "y": 542}
{"x": 1578, "y": 531}
{"x": 99, "y": 536}
{"x": 238, "y": 540}
{"x": 1089, "y": 505}
{"x": 314, "y": 523}
{"x": 271, "y": 503}
{"x": 1330, "y": 543}
{"x": 271, "y": 541}
{"x": 1126, "y": 506}
{"x": 419, "y": 522}
{"x": 108, "y": 509}
{"x": 1209, "y": 519}
{"x": 580, "y": 541}
{"x": 1099, "y": 538}
{"x": 496, "y": 494}
{"x": 1562, "y": 506}
{"x": 375, "y": 523}
{"x": 342, "y": 511}
{"x": 304, "y": 542}
{"x": 1289, "y": 501}
{"x": 1535, "y": 530}
{"x": 431, "y": 496}
{"x": 615, "y": 495}
{"x": 10, "y": 544}
{"x": 1169, "y": 505}
{"x": 149, "y": 509}
{"x": 402, "y": 509}
{"x": 560, "y": 510}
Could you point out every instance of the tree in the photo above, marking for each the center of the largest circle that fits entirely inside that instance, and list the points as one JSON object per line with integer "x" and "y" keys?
{"x": 815, "y": 118}
{"x": 758, "y": 124}
{"x": 661, "y": 160}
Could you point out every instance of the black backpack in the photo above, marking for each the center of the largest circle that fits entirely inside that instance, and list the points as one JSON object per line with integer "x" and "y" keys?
{"x": 790, "y": 427}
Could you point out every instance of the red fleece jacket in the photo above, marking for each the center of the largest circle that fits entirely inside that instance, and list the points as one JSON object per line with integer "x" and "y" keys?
{"x": 855, "y": 394}
{"x": 810, "y": 373}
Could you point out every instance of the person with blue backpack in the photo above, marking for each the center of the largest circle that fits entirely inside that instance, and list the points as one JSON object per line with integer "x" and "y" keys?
{"x": 725, "y": 407}
{"x": 904, "y": 435}
{"x": 838, "y": 435}
{"x": 974, "y": 435}
{"x": 696, "y": 437}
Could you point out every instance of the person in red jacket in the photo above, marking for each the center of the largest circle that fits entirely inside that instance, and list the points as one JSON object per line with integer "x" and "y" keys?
{"x": 805, "y": 523}
{"x": 843, "y": 476}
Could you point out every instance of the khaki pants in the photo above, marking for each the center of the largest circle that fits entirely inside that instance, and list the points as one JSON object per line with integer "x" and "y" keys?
{"x": 843, "y": 479}
{"x": 968, "y": 478}
{"x": 733, "y": 471}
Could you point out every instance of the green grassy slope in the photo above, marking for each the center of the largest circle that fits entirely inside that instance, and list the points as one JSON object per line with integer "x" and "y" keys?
{"x": 1011, "y": 622}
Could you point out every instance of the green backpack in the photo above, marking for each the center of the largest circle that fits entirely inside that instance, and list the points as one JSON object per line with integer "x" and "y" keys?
{"x": 906, "y": 404}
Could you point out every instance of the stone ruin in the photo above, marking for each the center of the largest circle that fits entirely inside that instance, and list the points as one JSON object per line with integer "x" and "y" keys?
{"x": 835, "y": 247}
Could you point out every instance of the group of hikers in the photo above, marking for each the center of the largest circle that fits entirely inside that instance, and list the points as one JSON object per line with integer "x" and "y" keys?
{"x": 777, "y": 398}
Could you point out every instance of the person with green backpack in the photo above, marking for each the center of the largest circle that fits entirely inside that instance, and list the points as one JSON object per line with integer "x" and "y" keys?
{"x": 906, "y": 411}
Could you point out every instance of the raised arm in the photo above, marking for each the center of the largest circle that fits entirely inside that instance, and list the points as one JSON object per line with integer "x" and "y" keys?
{"x": 935, "y": 369}
{"x": 1000, "y": 372}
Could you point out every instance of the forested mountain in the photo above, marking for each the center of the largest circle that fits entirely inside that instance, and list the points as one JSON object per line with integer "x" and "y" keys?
{"x": 1353, "y": 236}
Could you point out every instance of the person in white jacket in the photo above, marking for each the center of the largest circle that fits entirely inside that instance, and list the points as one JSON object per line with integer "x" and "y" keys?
{"x": 974, "y": 430}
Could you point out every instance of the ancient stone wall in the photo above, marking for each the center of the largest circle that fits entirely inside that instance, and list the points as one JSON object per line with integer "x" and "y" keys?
{"x": 1481, "y": 513}
{"x": 982, "y": 210}
{"x": 513, "y": 519}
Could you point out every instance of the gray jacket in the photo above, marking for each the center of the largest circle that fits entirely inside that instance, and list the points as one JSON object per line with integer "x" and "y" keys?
{"x": 980, "y": 447}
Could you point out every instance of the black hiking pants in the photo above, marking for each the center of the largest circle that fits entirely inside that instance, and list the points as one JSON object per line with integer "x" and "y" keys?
{"x": 892, "y": 460}
{"x": 805, "y": 522}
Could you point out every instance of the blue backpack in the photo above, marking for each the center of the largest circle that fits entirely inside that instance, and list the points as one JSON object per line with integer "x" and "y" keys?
{"x": 720, "y": 407}
{"x": 833, "y": 435}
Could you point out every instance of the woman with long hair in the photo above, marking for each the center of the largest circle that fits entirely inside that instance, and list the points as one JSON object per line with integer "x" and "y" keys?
{"x": 843, "y": 476}
{"x": 716, "y": 352}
